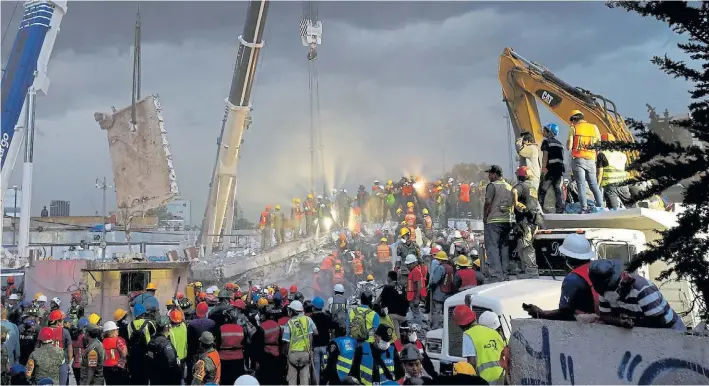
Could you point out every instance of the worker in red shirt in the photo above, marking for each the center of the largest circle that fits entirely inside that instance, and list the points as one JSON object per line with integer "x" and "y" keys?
{"x": 415, "y": 288}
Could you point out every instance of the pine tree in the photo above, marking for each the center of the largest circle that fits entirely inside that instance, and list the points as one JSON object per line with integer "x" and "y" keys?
{"x": 685, "y": 248}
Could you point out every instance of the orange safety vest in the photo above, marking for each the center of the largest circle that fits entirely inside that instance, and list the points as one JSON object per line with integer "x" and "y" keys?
{"x": 464, "y": 194}
{"x": 446, "y": 285}
{"x": 384, "y": 253}
{"x": 271, "y": 334}
{"x": 584, "y": 137}
{"x": 78, "y": 346}
{"x": 328, "y": 263}
{"x": 231, "y": 346}
{"x": 57, "y": 335}
{"x": 263, "y": 220}
{"x": 583, "y": 272}
{"x": 467, "y": 278}
{"x": 309, "y": 211}
{"x": 214, "y": 356}
{"x": 338, "y": 278}
{"x": 298, "y": 212}
{"x": 410, "y": 288}
{"x": 407, "y": 190}
{"x": 410, "y": 219}
{"x": 112, "y": 354}
{"x": 9, "y": 289}
{"x": 428, "y": 222}
{"x": 357, "y": 266}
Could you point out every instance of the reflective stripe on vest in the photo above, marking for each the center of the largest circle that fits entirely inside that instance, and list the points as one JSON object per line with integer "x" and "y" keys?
{"x": 346, "y": 346}
{"x": 383, "y": 253}
{"x": 488, "y": 351}
{"x": 271, "y": 333}
{"x": 299, "y": 337}
{"x": 231, "y": 347}
{"x": 502, "y": 203}
{"x": 366, "y": 367}
{"x": 57, "y": 336}
{"x": 615, "y": 171}
{"x": 467, "y": 278}
{"x": 446, "y": 285}
{"x": 585, "y": 135}
{"x": 583, "y": 272}
{"x": 112, "y": 354}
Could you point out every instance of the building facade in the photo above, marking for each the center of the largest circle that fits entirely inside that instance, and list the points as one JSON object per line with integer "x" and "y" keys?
{"x": 59, "y": 208}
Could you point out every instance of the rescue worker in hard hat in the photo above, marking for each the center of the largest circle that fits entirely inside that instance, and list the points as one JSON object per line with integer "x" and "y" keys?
{"x": 296, "y": 216}
{"x": 528, "y": 219}
{"x": 610, "y": 170}
{"x": 232, "y": 334}
{"x": 309, "y": 207}
{"x": 150, "y": 290}
{"x": 416, "y": 289}
{"x": 269, "y": 365}
{"x": 582, "y": 136}
{"x": 427, "y": 223}
{"x": 459, "y": 245}
{"x": 46, "y": 360}
{"x": 11, "y": 288}
{"x": 498, "y": 219}
{"x": 363, "y": 321}
{"x": 264, "y": 223}
{"x": 406, "y": 247}
{"x": 441, "y": 285}
{"x": 377, "y": 362}
{"x": 464, "y": 277}
{"x": 195, "y": 329}
{"x": 530, "y": 155}
{"x": 553, "y": 167}
{"x": 114, "y": 365}
{"x": 577, "y": 293}
{"x": 139, "y": 332}
{"x": 340, "y": 353}
{"x": 393, "y": 298}
{"x": 61, "y": 339}
{"x": 298, "y": 343}
{"x": 178, "y": 336}
{"x": 411, "y": 358}
{"x": 409, "y": 334}
{"x": 278, "y": 226}
{"x": 93, "y": 358}
{"x": 14, "y": 310}
{"x": 164, "y": 365}
{"x": 482, "y": 346}
{"x": 324, "y": 324}
{"x": 491, "y": 320}
{"x": 208, "y": 367}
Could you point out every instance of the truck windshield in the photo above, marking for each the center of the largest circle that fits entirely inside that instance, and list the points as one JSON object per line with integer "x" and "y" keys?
{"x": 549, "y": 260}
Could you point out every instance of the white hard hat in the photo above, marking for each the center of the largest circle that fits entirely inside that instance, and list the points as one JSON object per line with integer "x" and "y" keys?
{"x": 344, "y": 190}
{"x": 42, "y": 298}
{"x": 425, "y": 251}
{"x": 376, "y": 182}
{"x": 246, "y": 379}
{"x": 474, "y": 252}
{"x": 296, "y": 305}
{"x": 577, "y": 247}
{"x": 210, "y": 290}
{"x": 450, "y": 179}
{"x": 339, "y": 288}
{"x": 14, "y": 297}
{"x": 316, "y": 270}
{"x": 410, "y": 259}
{"x": 457, "y": 234}
{"x": 489, "y": 319}
{"x": 110, "y": 326}
{"x": 57, "y": 301}
{"x": 319, "y": 196}
{"x": 381, "y": 186}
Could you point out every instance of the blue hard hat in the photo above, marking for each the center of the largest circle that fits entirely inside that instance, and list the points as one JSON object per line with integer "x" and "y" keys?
{"x": 255, "y": 298}
{"x": 552, "y": 127}
{"x": 278, "y": 296}
{"x": 17, "y": 369}
{"x": 318, "y": 303}
{"x": 45, "y": 381}
{"x": 151, "y": 303}
{"x": 83, "y": 322}
{"x": 138, "y": 310}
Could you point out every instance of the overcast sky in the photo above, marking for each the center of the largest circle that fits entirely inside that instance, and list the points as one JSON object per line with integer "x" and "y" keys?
{"x": 399, "y": 82}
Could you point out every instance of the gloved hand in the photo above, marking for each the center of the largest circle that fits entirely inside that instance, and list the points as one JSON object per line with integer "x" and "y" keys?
{"x": 532, "y": 310}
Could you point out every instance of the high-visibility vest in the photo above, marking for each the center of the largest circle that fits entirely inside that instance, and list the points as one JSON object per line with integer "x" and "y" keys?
{"x": 583, "y": 272}
{"x": 178, "y": 337}
{"x": 366, "y": 367}
{"x": 357, "y": 266}
{"x": 446, "y": 285}
{"x": 467, "y": 278}
{"x": 615, "y": 171}
{"x": 78, "y": 346}
{"x": 428, "y": 222}
{"x": 57, "y": 335}
{"x": 501, "y": 208}
{"x": 232, "y": 337}
{"x": 110, "y": 345}
{"x": 299, "y": 337}
{"x": 585, "y": 135}
{"x": 410, "y": 219}
{"x": 407, "y": 190}
{"x": 264, "y": 220}
{"x": 464, "y": 194}
{"x": 410, "y": 284}
{"x": 383, "y": 253}
{"x": 488, "y": 351}
{"x": 346, "y": 346}
{"x": 214, "y": 357}
{"x": 271, "y": 334}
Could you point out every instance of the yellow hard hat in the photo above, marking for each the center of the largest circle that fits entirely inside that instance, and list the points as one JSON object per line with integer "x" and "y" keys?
{"x": 410, "y": 204}
{"x": 389, "y": 182}
{"x": 404, "y": 231}
{"x": 337, "y": 267}
{"x": 576, "y": 112}
{"x": 463, "y": 261}
{"x": 262, "y": 302}
{"x": 441, "y": 255}
{"x": 297, "y": 200}
{"x": 94, "y": 319}
{"x": 425, "y": 211}
{"x": 310, "y": 195}
{"x": 399, "y": 210}
{"x": 477, "y": 263}
{"x": 151, "y": 286}
{"x": 37, "y": 295}
{"x": 278, "y": 207}
{"x": 198, "y": 284}
{"x": 403, "y": 223}
{"x": 463, "y": 367}
{"x": 384, "y": 240}
{"x": 370, "y": 277}
{"x": 119, "y": 314}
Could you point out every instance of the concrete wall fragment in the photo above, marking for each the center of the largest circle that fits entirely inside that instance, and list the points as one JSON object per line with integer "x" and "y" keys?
{"x": 143, "y": 172}
{"x": 547, "y": 352}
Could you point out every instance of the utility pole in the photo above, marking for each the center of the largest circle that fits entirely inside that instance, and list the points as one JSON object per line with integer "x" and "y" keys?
{"x": 103, "y": 185}
{"x": 14, "y": 217}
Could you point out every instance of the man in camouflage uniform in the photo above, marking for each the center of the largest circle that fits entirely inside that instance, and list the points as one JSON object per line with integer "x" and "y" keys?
{"x": 407, "y": 247}
{"x": 208, "y": 368}
{"x": 46, "y": 360}
{"x": 93, "y": 358}
{"x": 76, "y": 309}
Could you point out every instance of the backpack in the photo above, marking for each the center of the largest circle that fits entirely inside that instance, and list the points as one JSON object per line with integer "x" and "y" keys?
{"x": 137, "y": 342}
{"x": 338, "y": 310}
{"x": 358, "y": 324}
{"x": 390, "y": 200}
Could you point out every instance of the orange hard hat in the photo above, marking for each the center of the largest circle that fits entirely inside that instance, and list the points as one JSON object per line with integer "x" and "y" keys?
{"x": 343, "y": 236}
{"x": 229, "y": 286}
{"x": 293, "y": 289}
{"x": 10, "y": 280}
{"x": 202, "y": 296}
{"x": 268, "y": 207}
{"x": 201, "y": 310}
{"x": 463, "y": 315}
{"x": 176, "y": 316}
{"x": 55, "y": 315}
{"x": 522, "y": 171}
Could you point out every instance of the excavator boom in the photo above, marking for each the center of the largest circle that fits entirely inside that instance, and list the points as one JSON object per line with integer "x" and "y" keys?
{"x": 524, "y": 82}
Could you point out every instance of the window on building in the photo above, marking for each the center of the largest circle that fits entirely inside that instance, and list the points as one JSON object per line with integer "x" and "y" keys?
{"x": 134, "y": 281}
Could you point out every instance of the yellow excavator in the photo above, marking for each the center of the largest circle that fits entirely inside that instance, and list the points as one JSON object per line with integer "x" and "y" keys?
{"x": 524, "y": 82}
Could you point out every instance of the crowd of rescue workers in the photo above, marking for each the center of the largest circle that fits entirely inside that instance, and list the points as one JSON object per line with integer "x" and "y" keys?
{"x": 354, "y": 329}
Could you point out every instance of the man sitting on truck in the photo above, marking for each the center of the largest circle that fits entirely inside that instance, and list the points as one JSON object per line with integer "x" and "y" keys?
{"x": 577, "y": 294}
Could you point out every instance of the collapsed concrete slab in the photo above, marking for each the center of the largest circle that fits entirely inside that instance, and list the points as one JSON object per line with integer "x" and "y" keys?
{"x": 545, "y": 352}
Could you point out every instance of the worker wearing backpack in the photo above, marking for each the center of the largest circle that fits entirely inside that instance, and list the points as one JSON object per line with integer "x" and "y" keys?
{"x": 363, "y": 321}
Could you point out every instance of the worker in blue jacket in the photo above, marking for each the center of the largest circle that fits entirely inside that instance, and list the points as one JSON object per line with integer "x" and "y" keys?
{"x": 378, "y": 362}
{"x": 338, "y": 357}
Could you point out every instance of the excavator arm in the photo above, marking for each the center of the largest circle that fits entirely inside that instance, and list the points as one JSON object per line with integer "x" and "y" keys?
{"x": 524, "y": 82}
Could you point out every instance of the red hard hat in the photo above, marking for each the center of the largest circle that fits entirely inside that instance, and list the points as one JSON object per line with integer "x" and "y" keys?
{"x": 238, "y": 294}
{"x": 76, "y": 295}
{"x": 180, "y": 295}
{"x": 176, "y": 316}
{"x": 10, "y": 280}
{"x": 435, "y": 250}
{"x": 229, "y": 286}
{"x": 522, "y": 171}
{"x": 293, "y": 289}
{"x": 238, "y": 303}
{"x": 283, "y": 291}
{"x": 55, "y": 315}
{"x": 254, "y": 289}
{"x": 202, "y": 309}
{"x": 463, "y": 315}
{"x": 45, "y": 334}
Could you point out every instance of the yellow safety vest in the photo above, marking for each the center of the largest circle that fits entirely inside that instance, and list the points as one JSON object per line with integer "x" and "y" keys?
{"x": 615, "y": 171}
{"x": 585, "y": 136}
{"x": 178, "y": 338}
{"x": 360, "y": 312}
{"x": 501, "y": 210}
{"x": 138, "y": 325}
{"x": 488, "y": 350}
{"x": 299, "y": 337}
{"x": 387, "y": 322}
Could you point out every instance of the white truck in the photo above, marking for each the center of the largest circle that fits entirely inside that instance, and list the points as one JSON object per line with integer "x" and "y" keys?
{"x": 616, "y": 235}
